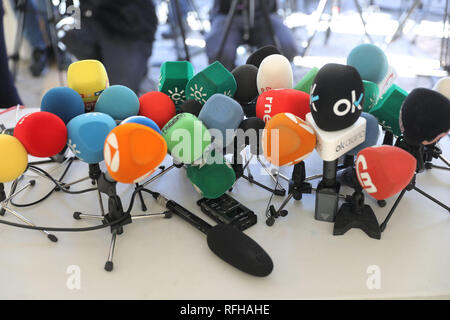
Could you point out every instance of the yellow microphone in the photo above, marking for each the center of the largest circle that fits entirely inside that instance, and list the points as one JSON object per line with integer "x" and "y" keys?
{"x": 89, "y": 79}
{"x": 14, "y": 159}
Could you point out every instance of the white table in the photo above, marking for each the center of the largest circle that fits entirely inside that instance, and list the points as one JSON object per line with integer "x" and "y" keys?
{"x": 169, "y": 259}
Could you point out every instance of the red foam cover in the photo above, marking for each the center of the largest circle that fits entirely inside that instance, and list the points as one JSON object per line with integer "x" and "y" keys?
{"x": 277, "y": 101}
{"x": 384, "y": 171}
{"x": 42, "y": 133}
{"x": 157, "y": 106}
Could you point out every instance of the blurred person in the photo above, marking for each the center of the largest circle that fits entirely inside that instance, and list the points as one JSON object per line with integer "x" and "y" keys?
{"x": 120, "y": 34}
{"x": 258, "y": 34}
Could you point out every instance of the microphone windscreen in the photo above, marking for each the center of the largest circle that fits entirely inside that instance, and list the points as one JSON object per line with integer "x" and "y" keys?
{"x": 250, "y": 134}
{"x": 157, "y": 106}
{"x": 144, "y": 121}
{"x": 337, "y": 97}
{"x": 173, "y": 78}
{"x": 277, "y": 101}
{"x": 383, "y": 171}
{"x": 249, "y": 108}
{"x": 275, "y": 72}
{"x": 211, "y": 180}
{"x": 64, "y": 102}
{"x": 258, "y": 56}
{"x": 14, "y": 159}
{"x": 371, "y": 93}
{"x": 370, "y": 61}
{"x": 43, "y": 134}
{"x": 89, "y": 79}
{"x": 215, "y": 78}
{"x": 118, "y": 101}
{"x": 306, "y": 82}
{"x": 192, "y": 107}
{"x": 387, "y": 109}
{"x": 443, "y": 87}
{"x": 132, "y": 152}
{"x": 87, "y": 134}
{"x": 245, "y": 77}
{"x": 187, "y": 138}
{"x": 287, "y": 139}
{"x": 425, "y": 116}
{"x": 372, "y": 134}
{"x": 388, "y": 80}
{"x": 222, "y": 116}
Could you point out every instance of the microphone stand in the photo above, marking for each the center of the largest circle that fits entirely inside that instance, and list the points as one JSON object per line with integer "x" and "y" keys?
{"x": 434, "y": 151}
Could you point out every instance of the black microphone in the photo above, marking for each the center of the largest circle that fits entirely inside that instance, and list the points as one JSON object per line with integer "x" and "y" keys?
{"x": 191, "y": 106}
{"x": 246, "y": 89}
{"x": 258, "y": 56}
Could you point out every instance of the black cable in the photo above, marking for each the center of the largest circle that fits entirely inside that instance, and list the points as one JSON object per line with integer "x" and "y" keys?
{"x": 268, "y": 215}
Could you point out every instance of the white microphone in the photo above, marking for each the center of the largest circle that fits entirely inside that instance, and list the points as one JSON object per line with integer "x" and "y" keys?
{"x": 275, "y": 72}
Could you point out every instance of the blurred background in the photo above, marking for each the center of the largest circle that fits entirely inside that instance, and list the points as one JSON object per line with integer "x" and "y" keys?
{"x": 414, "y": 34}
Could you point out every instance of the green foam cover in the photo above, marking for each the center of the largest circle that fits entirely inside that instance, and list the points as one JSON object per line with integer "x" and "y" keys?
{"x": 187, "y": 137}
{"x": 306, "y": 82}
{"x": 371, "y": 92}
{"x": 387, "y": 109}
{"x": 212, "y": 180}
{"x": 215, "y": 78}
{"x": 174, "y": 75}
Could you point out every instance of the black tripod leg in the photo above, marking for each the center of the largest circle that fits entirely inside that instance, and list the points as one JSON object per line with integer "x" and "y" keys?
{"x": 431, "y": 198}
{"x": 54, "y": 39}
{"x": 391, "y": 212}
{"x": 183, "y": 32}
{"x": 19, "y": 38}
{"x": 141, "y": 198}
{"x": 269, "y": 25}
{"x": 109, "y": 265}
{"x": 228, "y": 22}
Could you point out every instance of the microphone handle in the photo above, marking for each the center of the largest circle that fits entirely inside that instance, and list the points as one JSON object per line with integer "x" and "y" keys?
{"x": 188, "y": 216}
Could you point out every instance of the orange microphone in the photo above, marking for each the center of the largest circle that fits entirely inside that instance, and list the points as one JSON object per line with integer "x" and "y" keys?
{"x": 133, "y": 151}
{"x": 287, "y": 139}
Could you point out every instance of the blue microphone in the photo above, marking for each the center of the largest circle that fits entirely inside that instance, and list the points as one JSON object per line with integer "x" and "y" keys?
{"x": 87, "y": 134}
{"x": 118, "y": 101}
{"x": 372, "y": 134}
{"x": 64, "y": 102}
{"x": 144, "y": 121}
{"x": 370, "y": 61}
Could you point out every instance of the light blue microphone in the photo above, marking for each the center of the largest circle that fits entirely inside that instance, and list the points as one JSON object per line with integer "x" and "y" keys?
{"x": 64, "y": 102}
{"x": 144, "y": 121}
{"x": 87, "y": 134}
{"x": 372, "y": 134}
{"x": 118, "y": 101}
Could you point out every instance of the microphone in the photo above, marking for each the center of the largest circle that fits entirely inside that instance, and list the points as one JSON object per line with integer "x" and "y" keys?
{"x": 287, "y": 140}
{"x": 371, "y": 93}
{"x": 424, "y": 116}
{"x": 277, "y": 101}
{"x": 222, "y": 116}
{"x": 370, "y": 61}
{"x": 337, "y": 97}
{"x": 43, "y": 134}
{"x": 275, "y": 72}
{"x": 384, "y": 171}
{"x": 388, "y": 80}
{"x": 246, "y": 89}
{"x": 118, "y": 101}
{"x": 215, "y": 78}
{"x": 187, "y": 138}
{"x": 306, "y": 82}
{"x": 387, "y": 109}
{"x": 157, "y": 106}
{"x": 14, "y": 159}
{"x": 250, "y": 134}
{"x": 371, "y": 136}
{"x": 89, "y": 79}
{"x": 173, "y": 78}
{"x": 259, "y": 55}
{"x": 64, "y": 102}
{"x": 87, "y": 134}
{"x": 132, "y": 152}
{"x": 443, "y": 87}
{"x": 191, "y": 106}
{"x": 144, "y": 121}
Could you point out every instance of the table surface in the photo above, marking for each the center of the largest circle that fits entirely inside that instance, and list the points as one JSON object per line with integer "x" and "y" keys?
{"x": 168, "y": 259}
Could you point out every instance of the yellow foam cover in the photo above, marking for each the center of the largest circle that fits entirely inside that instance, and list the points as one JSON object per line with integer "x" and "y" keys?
{"x": 89, "y": 79}
{"x": 13, "y": 159}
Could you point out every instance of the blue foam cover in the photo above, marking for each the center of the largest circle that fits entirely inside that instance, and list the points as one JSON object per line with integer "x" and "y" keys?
{"x": 87, "y": 134}
{"x": 372, "y": 134}
{"x": 221, "y": 112}
{"x": 64, "y": 102}
{"x": 370, "y": 61}
{"x": 118, "y": 101}
{"x": 144, "y": 121}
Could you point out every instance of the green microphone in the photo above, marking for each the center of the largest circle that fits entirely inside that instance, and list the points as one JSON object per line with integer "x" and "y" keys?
{"x": 387, "y": 109}
{"x": 212, "y": 179}
{"x": 215, "y": 78}
{"x": 306, "y": 82}
{"x": 174, "y": 75}
{"x": 186, "y": 137}
{"x": 371, "y": 92}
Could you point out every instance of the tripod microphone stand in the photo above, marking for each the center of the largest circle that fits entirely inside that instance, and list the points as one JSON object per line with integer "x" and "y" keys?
{"x": 434, "y": 152}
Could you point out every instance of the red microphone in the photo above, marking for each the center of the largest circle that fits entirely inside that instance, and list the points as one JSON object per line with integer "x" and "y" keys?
{"x": 43, "y": 134}
{"x": 383, "y": 171}
{"x": 277, "y": 101}
{"x": 157, "y": 106}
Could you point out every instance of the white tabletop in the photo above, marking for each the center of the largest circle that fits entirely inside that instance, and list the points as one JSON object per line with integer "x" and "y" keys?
{"x": 168, "y": 259}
